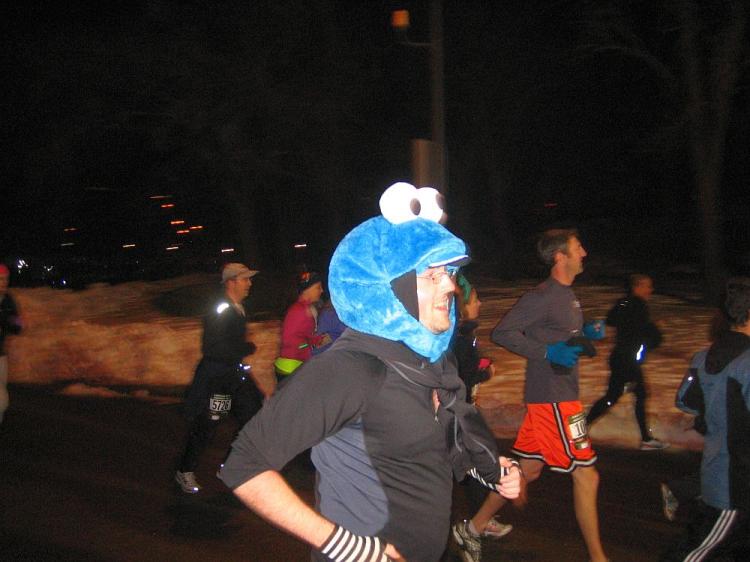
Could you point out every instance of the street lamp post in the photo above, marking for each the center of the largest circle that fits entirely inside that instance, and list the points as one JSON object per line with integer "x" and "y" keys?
{"x": 434, "y": 152}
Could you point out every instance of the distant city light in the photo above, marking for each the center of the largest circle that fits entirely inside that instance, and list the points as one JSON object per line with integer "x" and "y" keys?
{"x": 177, "y": 222}
{"x": 167, "y": 205}
{"x": 197, "y": 227}
{"x": 550, "y": 205}
{"x": 68, "y": 244}
{"x": 227, "y": 250}
{"x": 128, "y": 245}
{"x": 170, "y": 248}
{"x": 400, "y": 19}
{"x": 300, "y": 246}
{"x": 160, "y": 196}
{"x": 183, "y": 231}
{"x": 70, "y": 229}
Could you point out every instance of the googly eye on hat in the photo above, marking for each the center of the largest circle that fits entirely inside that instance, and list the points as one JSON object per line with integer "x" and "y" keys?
{"x": 402, "y": 202}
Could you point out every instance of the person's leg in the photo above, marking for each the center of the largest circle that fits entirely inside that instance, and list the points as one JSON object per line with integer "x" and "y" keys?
{"x": 476, "y": 493}
{"x": 467, "y": 536}
{"x": 4, "y": 400}
{"x": 712, "y": 534}
{"x": 246, "y": 402}
{"x": 200, "y": 434}
{"x": 492, "y": 504}
{"x": 531, "y": 469}
{"x": 640, "y": 408}
{"x": 614, "y": 391}
{"x": 585, "y": 489}
{"x": 205, "y": 405}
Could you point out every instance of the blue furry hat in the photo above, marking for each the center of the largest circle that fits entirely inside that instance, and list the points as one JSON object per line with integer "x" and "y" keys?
{"x": 407, "y": 238}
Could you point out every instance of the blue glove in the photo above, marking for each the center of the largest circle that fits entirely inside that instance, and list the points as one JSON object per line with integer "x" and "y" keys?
{"x": 563, "y": 354}
{"x": 594, "y": 330}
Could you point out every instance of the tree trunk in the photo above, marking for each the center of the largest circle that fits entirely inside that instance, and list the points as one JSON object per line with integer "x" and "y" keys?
{"x": 708, "y": 107}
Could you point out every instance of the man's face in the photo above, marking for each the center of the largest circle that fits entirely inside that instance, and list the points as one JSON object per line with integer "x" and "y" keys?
{"x": 435, "y": 288}
{"x": 239, "y": 287}
{"x": 3, "y": 284}
{"x": 644, "y": 289}
{"x": 573, "y": 257}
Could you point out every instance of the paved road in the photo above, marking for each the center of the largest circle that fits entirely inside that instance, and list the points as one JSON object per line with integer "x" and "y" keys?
{"x": 90, "y": 479}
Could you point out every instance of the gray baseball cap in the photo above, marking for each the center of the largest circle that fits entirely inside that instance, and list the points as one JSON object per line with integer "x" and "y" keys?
{"x": 236, "y": 271}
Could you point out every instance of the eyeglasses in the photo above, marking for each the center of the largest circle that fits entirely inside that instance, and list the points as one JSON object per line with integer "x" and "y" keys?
{"x": 437, "y": 276}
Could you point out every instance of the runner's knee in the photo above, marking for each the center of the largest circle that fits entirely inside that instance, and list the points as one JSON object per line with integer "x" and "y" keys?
{"x": 531, "y": 469}
{"x": 586, "y": 476}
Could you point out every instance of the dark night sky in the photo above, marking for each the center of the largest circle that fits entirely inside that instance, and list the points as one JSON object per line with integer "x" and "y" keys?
{"x": 307, "y": 112}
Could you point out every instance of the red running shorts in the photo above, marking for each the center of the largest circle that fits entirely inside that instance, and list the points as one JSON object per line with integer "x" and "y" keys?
{"x": 556, "y": 434}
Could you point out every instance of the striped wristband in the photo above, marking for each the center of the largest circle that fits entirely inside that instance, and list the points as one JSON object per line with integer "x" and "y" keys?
{"x": 343, "y": 545}
{"x": 493, "y": 485}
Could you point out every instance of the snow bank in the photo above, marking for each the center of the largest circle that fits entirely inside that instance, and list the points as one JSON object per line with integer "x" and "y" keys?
{"x": 116, "y": 336}
{"x": 110, "y": 336}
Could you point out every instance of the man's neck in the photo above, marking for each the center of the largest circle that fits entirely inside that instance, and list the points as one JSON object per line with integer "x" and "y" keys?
{"x": 561, "y": 276}
{"x": 232, "y": 298}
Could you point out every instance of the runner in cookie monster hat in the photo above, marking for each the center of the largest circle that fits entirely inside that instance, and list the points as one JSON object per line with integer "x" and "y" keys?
{"x": 383, "y": 409}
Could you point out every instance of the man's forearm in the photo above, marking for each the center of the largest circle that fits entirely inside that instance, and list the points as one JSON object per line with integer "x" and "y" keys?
{"x": 269, "y": 495}
{"x": 514, "y": 339}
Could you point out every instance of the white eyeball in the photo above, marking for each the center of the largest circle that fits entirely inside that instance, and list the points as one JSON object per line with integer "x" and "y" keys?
{"x": 432, "y": 203}
{"x": 400, "y": 203}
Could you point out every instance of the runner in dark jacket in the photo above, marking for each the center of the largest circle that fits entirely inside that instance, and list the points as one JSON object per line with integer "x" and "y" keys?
{"x": 636, "y": 336}
{"x": 473, "y": 371}
{"x": 383, "y": 408}
{"x": 222, "y": 383}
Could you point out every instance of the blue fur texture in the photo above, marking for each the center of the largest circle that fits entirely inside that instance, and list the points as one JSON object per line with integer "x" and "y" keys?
{"x": 369, "y": 258}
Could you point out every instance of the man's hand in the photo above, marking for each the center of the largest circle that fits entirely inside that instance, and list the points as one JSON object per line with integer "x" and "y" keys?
{"x": 563, "y": 354}
{"x": 510, "y": 484}
{"x": 393, "y": 554}
{"x": 325, "y": 339}
{"x": 344, "y": 546}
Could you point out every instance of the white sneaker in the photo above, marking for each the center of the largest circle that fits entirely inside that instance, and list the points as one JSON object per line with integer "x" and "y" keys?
{"x": 469, "y": 545}
{"x": 653, "y": 445}
{"x": 495, "y": 529}
{"x": 187, "y": 482}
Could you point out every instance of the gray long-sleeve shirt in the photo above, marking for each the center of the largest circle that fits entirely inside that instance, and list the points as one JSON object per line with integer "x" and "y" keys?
{"x": 547, "y": 314}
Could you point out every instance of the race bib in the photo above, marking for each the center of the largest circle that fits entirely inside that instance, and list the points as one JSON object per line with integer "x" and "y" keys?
{"x": 577, "y": 431}
{"x": 220, "y": 404}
